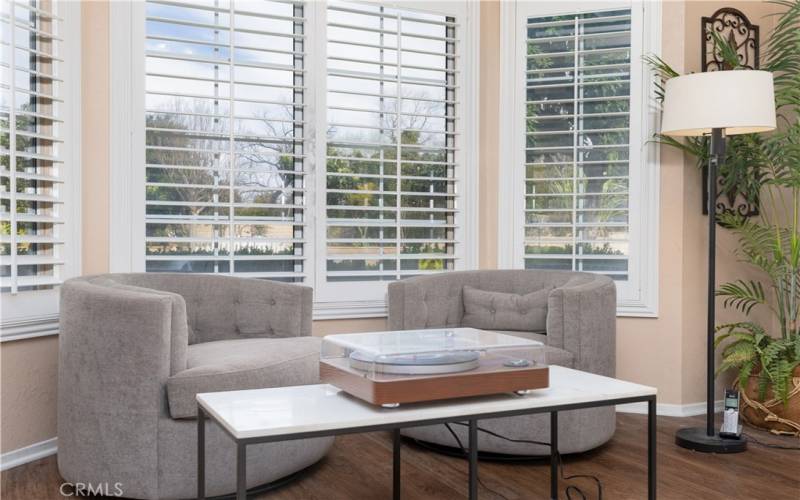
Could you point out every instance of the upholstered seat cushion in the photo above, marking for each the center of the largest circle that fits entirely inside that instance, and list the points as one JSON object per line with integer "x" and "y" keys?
{"x": 228, "y": 365}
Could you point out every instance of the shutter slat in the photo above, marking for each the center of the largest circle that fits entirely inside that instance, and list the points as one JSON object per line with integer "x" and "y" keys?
{"x": 213, "y": 151}
{"x": 237, "y": 99}
{"x": 391, "y": 256}
{"x": 225, "y": 81}
{"x": 386, "y": 47}
{"x": 389, "y": 15}
{"x": 43, "y": 14}
{"x": 362, "y": 75}
{"x": 225, "y": 62}
{"x": 390, "y": 32}
{"x": 196, "y": 24}
{"x": 192, "y": 257}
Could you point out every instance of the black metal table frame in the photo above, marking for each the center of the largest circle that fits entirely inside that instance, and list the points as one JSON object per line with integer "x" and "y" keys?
{"x": 242, "y": 443}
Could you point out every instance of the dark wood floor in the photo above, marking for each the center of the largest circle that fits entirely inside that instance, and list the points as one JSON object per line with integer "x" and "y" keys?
{"x": 359, "y": 467}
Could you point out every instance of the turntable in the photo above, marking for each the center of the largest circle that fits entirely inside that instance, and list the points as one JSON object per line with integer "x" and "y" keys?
{"x": 390, "y": 368}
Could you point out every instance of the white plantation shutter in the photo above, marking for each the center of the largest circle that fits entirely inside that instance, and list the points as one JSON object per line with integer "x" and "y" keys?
{"x": 313, "y": 142}
{"x": 577, "y": 147}
{"x": 392, "y": 168}
{"x": 225, "y": 119}
{"x": 31, "y": 149}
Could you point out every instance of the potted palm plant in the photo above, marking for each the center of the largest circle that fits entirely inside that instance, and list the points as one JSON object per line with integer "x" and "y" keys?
{"x": 766, "y": 170}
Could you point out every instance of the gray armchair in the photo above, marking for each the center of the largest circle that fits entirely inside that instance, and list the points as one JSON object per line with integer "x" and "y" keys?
{"x": 578, "y": 329}
{"x": 134, "y": 349}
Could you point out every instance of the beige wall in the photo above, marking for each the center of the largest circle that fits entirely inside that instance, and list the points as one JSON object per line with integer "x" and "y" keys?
{"x": 667, "y": 352}
{"x": 27, "y": 392}
{"x": 489, "y": 136}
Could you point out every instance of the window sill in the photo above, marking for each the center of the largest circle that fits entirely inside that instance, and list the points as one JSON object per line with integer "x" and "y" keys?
{"x": 349, "y": 310}
{"x": 636, "y": 310}
{"x": 29, "y": 328}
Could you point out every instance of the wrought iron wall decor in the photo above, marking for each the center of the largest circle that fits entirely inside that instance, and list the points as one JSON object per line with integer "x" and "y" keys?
{"x": 735, "y": 28}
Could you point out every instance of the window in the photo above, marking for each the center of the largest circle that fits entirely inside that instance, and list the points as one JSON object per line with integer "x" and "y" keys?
{"x": 225, "y": 164}
{"x": 322, "y": 143}
{"x": 392, "y": 170}
{"x": 38, "y": 171}
{"x": 581, "y": 154}
{"x": 577, "y": 150}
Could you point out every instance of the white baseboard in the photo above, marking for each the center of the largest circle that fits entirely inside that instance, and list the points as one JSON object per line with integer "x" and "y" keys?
{"x": 27, "y": 454}
{"x": 671, "y": 410}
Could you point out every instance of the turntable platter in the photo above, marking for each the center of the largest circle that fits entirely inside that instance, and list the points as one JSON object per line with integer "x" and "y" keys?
{"x": 417, "y": 364}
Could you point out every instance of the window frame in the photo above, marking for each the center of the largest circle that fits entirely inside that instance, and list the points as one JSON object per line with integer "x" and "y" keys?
{"x": 639, "y": 296}
{"x": 127, "y": 156}
{"x": 28, "y": 314}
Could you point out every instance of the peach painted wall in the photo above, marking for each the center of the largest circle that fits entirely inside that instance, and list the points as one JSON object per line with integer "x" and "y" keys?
{"x": 666, "y": 352}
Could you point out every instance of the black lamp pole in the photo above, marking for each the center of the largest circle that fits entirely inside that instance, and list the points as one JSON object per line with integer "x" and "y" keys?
{"x": 698, "y": 438}
{"x": 716, "y": 157}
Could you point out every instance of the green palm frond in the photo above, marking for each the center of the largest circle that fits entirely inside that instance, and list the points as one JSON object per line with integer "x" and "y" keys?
{"x": 781, "y": 54}
{"x": 742, "y": 295}
{"x": 693, "y": 146}
{"x": 726, "y": 50}
{"x": 663, "y": 72}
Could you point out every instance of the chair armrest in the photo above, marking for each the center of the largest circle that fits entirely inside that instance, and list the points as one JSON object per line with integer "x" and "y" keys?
{"x": 581, "y": 318}
{"x": 114, "y": 360}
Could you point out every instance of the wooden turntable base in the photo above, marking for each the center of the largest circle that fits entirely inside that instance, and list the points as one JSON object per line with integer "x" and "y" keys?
{"x": 490, "y": 377}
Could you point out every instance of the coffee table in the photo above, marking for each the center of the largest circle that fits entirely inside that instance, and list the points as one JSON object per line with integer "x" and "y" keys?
{"x": 301, "y": 412}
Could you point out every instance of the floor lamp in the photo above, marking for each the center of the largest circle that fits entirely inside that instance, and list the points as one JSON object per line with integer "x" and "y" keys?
{"x": 718, "y": 103}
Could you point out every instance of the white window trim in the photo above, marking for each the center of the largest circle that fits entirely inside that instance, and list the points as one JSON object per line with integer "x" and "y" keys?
{"x": 30, "y": 324}
{"x": 127, "y": 130}
{"x": 646, "y": 264}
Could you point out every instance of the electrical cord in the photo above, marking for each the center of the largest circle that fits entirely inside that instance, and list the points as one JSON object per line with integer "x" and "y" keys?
{"x": 464, "y": 452}
{"x": 770, "y": 445}
{"x": 569, "y": 490}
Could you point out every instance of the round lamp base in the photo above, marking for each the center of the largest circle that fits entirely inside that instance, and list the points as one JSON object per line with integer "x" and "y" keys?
{"x": 695, "y": 438}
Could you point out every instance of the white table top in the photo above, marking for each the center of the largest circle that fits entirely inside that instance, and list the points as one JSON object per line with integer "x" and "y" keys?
{"x": 283, "y": 411}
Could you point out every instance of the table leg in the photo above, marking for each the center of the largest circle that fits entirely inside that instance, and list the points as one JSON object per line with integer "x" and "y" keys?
{"x": 473, "y": 460}
{"x": 201, "y": 453}
{"x": 554, "y": 455}
{"x": 396, "y": 464}
{"x": 651, "y": 449}
{"x": 241, "y": 471}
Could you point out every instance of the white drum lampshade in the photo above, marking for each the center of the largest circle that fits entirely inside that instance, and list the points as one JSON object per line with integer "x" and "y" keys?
{"x": 736, "y": 101}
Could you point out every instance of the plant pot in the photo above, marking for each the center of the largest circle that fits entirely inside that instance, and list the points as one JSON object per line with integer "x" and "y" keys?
{"x": 770, "y": 413}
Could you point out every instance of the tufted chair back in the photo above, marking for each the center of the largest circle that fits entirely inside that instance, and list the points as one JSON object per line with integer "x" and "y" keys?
{"x": 221, "y": 307}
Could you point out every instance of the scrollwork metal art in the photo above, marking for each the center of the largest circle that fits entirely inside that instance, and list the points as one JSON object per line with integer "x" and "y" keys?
{"x": 734, "y": 27}
{"x": 728, "y": 202}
